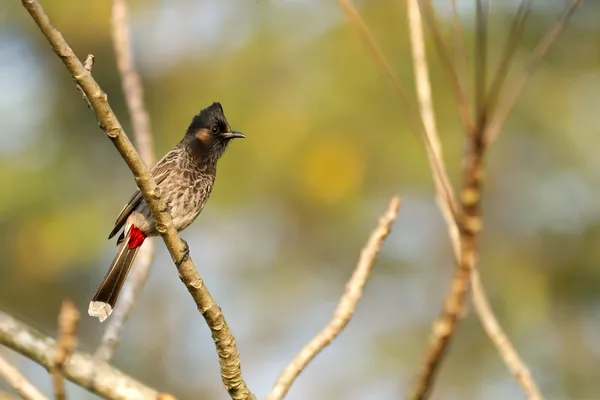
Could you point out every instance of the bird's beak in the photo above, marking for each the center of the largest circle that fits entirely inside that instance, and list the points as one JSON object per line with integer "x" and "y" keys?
{"x": 233, "y": 135}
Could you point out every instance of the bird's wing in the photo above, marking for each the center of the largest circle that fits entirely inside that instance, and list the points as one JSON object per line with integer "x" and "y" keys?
{"x": 160, "y": 172}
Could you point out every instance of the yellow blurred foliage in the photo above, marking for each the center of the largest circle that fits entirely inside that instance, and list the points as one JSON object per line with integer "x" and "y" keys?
{"x": 45, "y": 244}
{"x": 333, "y": 168}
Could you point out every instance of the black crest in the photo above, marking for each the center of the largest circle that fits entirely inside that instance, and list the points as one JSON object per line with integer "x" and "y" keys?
{"x": 207, "y": 117}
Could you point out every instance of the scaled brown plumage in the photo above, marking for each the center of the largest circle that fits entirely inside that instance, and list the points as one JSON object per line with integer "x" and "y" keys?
{"x": 185, "y": 176}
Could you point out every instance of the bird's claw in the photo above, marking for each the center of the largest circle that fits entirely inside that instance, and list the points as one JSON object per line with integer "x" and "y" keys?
{"x": 185, "y": 255}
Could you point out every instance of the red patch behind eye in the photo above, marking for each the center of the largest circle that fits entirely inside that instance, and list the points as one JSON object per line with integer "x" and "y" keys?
{"x": 136, "y": 237}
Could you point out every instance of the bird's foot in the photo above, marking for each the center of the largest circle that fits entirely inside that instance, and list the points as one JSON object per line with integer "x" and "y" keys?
{"x": 185, "y": 256}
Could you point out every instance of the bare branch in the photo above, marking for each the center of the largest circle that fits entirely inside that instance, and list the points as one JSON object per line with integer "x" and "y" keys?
{"x": 130, "y": 81}
{"x": 345, "y": 308}
{"x": 134, "y": 96}
{"x": 441, "y": 180}
{"x": 446, "y": 324}
{"x": 460, "y": 62}
{"x": 422, "y": 82}
{"x": 507, "y": 351}
{"x": 87, "y": 65}
{"x": 458, "y": 87}
{"x": 65, "y": 346}
{"x": 224, "y": 341}
{"x": 540, "y": 50}
{"x": 510, "y": 48}
{"x": 95, "y": 376}
{"x": 480, "y": 65}
{"x": 17, "y": 381}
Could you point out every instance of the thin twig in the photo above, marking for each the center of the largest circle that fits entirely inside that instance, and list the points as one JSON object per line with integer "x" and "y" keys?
{"x": 458, "y": 87}
{"x": 469, "y": 226}
{"x": 131, "y": 82}
{"x": 134, "y": 96}
{"x": 65, "y": 346}
{"x": 423, "y": 86}
{"x": 510, "y": 48}
{"x": 345, "y": 308}
{"x": 17, "y": 381}
{"x": 81, "y": 369}
{"x": 505, "y": 348}
{"x": 480, "y": 64}
{"x": 441, "y": 179}
{"x": 446, "y": 324}
{"x": 460, "y": 60}
{"x": 540, "y": 50}
{"x": 87, "y": 65}
{"x": 229, "y": 360}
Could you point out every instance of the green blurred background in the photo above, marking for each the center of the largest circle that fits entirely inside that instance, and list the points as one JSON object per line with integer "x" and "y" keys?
{"x": 294, "y": 202}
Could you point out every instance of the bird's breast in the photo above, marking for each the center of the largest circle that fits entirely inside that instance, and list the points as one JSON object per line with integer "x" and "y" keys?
{"x": 187, "y": 199}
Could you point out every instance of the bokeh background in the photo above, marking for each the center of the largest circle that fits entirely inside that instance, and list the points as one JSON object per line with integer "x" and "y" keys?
{"x": 326, "y": 146}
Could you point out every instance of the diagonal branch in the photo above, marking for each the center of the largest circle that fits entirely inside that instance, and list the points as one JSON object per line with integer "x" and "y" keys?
{"x": 229, "y": 361}
{"x": 465, "y": 243}
{"x": 131, "y": 81}
{"x": 480, "y": 64}
{"x": 510, "y": 48}
{"x": 460, "y": 61}
{"x": 424, "y": 96}
{"x": 134, "y": 97}
{"x": 441, "y": 180}
{"x": 540, "y": 50}
{"x": 505, "y": 348}
{"x": 445, "y": 326}
{"x": 345, "y": 308}
{"x": 17, "y": 381}
{"x": 97, "y": 377}
{"x": 458, "y": 87}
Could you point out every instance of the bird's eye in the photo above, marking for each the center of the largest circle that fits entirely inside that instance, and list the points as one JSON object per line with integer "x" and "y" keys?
{"x": 215, "y": 129}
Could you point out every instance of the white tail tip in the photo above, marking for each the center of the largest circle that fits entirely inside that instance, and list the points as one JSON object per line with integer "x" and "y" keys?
{"x": 99, "y": 309}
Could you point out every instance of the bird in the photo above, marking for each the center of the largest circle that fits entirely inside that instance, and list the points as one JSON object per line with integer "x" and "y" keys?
{"x": 185, "y": 178}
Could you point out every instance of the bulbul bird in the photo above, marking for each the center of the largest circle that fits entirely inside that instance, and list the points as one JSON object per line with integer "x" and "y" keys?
{"x": 185, "y": 177}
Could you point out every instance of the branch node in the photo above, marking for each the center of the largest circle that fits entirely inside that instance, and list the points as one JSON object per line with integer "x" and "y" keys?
{"x": 112, "y": 133}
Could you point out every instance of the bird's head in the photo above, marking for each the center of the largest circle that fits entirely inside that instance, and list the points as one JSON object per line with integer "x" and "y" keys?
{"x": 209, "y": 132}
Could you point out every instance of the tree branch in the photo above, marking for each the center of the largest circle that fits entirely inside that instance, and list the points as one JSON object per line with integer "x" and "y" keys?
{"x": 441, "y": 179}
{"x": 134, "y": 97}
{"x": 97, "y": 377}
{"x": 538, "y": 53}
{"x": 224, "y": 341}
{"x": 505, "y": 348}
{"x": 17, "y": 381}
{"x": 445, "y": 326}
{"x": 458, "y": 87}
{"x": 345, "y": 308}
{"x": 65, "y": 346}
{"x": 130, "y": 80}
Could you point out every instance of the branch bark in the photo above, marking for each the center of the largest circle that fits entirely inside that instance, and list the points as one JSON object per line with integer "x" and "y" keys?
{"x": 229, "y": 361}
{"x": 17, "y": 381}
{"x": 538, "y": 53}
{"x": 345, "y": 308}
{"x": 134, "y": 96}
{"x": 65, "y": 346}
{"x": 505, "y": 348}
{"x": 470, "y": 225}
{"x": 97, "y": 377}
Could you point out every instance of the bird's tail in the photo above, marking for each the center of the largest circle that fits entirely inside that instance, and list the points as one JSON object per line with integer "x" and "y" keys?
{"x": 104, "y": 300}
